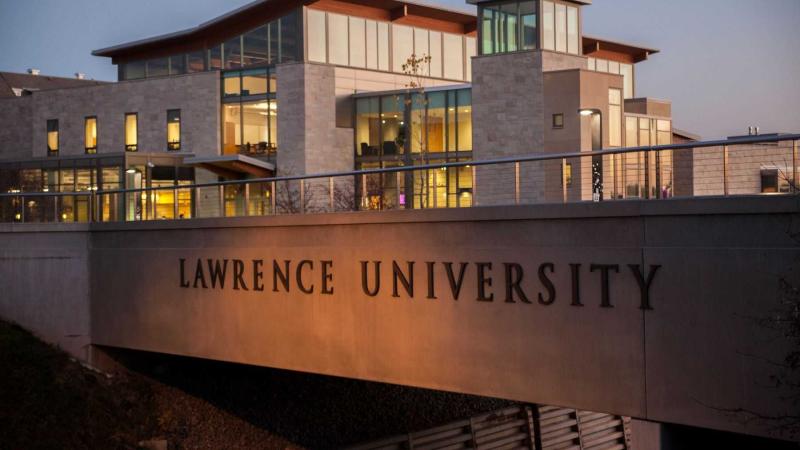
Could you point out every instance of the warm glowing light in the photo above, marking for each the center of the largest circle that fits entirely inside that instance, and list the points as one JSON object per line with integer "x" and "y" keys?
{"x": 587, "y": 112}
{"x": 130, "y": 171}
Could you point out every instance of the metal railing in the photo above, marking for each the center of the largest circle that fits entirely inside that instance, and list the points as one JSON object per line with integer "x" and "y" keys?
{"x": 741, "y": 166}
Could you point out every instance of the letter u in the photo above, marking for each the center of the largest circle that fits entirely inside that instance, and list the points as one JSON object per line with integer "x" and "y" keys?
{"x": 365, "y": 278}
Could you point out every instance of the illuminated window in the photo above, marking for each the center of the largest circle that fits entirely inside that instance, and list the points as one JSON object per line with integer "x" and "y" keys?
{"x": 566, "y": 174}
{"x": 90, "y": 135}
{"x": 572, "y": 31}
{"x": 174, "y": 129}
{"x": 52, "y": 137}
{"x": 561, "y": 28}
{"x": 131, "y": 132}
{"x": 548, "y": 25}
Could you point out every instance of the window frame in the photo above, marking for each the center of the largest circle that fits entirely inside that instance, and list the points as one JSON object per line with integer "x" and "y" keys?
{"x": 135, "y": 147}
{"x": 174, "y": 146}
{"x": 51, "y": 152}
{"x": 520, "y": 28}
{"x": 556, "y": 124}
{"x": 91, "y": 150}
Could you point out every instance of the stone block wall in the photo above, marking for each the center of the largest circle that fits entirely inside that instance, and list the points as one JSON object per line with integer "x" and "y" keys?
{"x": 16, "y": 129}
{"x": 196, "y": 95}
{"x": 507, "y": 118}
{"x": 744, "y": 167}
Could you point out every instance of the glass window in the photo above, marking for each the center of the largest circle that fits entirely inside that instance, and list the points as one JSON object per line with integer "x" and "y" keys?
{"x": 255, "y": 127}
{"x": 644, "y": 132}
{"x": 613, "y": 67}
{"x": 383, "y": 46}
{"x": 573, "y": 44}
{"x": 90, "y": 134}
{"x": 626, "y": 70}
{"x": 368, "y": 127}
{"x": 52, "y": 137}
{"x": 602, "y": 65}
{"x": 548, "y": 25}
{"x": 231, "y": 84}
{"x": 338, "y": 47}
{"x": 436, "y": 133}
{"x": 664, "y": 136}
{"x": 435, "y": 54}
{"x": 215, "y": 58}
{"x": 254, "y": 82}
{"x": 558, "y": 120}
{"x": 488, "y": 33}
{"x": 231, "y": 128}
{"x": 615, "y": 117}
{"x": 316, "y": 36}
{"x": 177, "y": 65}
{"x": 158, "y": 67}
{"x": 174, "y": 129}
{"x": 403, "y": 41}
{"x": 631, "y": 132}
{"x": 196, "y": 62}
{"x": 131, "y": 132}
{"x": 527, "y": 14}
{"x": 274, "y": 41}
{"x": 393, "y": 126}
{"x": 591, "y": 63}
{"x": 233, "y": 53}
{"x": 453, "y": 56}
{"x": 358, "y": 46}
{"x": 464, "y": 118}
{"x": 134, "y": 70}
{"x": 256, "y": 46}
{"x": 372, "y": 44}
{"x": 561, "y": 27}
{"x": 510, "y": 27}
{"x": 290, "y": 37}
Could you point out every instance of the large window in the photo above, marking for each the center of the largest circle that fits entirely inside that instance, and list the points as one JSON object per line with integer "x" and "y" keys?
{"x": 249, "y": 112}
{"x": 561, "y": 27}
{"x": 617, "y": 68}
{"x": 52, "y": 137}
{"x": 438, "y": 122}
{"x": 508, "y": 27}
{"x": 174, "y": 129}
{"x": 90, "y": 135}
{"x": 131, "y": 132}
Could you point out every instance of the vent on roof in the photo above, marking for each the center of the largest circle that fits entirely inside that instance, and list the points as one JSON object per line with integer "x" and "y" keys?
{"x": 34, "y": 71}
{"x": 80, "y": 76}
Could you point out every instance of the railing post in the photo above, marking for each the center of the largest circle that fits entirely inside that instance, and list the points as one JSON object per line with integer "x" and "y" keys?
{"x": 22, "y": 208}
{"x": 474, "y": 185}
{"x": 175, "y": 203}
{"x": 516, "y": 183}
{"x": 564, "y": 179}
{"x": 272, "y": 196}
{"x": 247, "y": 199}
{"x": 435, "y": 188}
{"x": 330, "y": 191}
{"x": 196, "y": 203}
{"x": 725, "y": 170}
{"x": 221, "y": 189}
{"x": 795, "y": 175}
{"x": 399, "y": 192}
{"x": 302, "y": 196}
{"x": 364, "y": 191}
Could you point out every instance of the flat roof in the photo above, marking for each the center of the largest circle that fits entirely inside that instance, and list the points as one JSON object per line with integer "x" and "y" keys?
{"x": 29, "y": 82}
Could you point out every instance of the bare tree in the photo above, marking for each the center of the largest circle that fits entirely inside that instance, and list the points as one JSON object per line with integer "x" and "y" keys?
{"x": 417, "y": 68}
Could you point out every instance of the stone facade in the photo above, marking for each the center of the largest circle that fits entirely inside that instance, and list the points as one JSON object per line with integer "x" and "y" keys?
{"x": 16, "y": 128}
{"x": 196, "y": 95}
{"x": 507, "y": 121}
{"x": 745, "y": 163}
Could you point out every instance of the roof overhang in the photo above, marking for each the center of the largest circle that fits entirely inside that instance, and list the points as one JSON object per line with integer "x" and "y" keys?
{"x": 636, "y": 53}
{"x": 232, "y": 166}
{"x": 478, "y": 2}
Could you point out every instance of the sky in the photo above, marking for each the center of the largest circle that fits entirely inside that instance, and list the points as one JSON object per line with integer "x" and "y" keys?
{"x": 725, "y": 64}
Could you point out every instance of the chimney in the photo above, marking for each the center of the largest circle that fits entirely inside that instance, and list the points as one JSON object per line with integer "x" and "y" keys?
{"x": 80, "y": 76}
{"x": 34, "y": 72}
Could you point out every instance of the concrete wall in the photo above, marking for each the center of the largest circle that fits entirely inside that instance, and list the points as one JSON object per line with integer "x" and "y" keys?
{"x": 196, "y": 95}
{"x": 44, "y": 280}
{"x": 16, "y": 128}
{"x": 698, "y": 350}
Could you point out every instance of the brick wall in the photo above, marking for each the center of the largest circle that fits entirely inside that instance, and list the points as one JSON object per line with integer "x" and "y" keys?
{"x": 16, "y": 129}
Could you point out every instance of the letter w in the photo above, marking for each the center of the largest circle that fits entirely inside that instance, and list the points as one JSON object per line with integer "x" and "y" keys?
{"x": 217, "y": 272}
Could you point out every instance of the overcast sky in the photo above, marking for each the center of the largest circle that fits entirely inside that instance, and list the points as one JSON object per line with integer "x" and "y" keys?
{"x": 725, "y": 64}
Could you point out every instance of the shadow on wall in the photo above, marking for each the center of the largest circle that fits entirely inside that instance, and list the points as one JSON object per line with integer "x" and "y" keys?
{"x": 314, "y": 411}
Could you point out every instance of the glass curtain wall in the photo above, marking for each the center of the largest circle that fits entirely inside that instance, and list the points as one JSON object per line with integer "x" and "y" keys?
{"x": 272, "y": 43}
{"x": 648, "y": 175}
{"x": 414, "y": 129}
{"x": 249, "y": 112}
{"x": 561, "y": 27}
{"x": 508, "y": 27}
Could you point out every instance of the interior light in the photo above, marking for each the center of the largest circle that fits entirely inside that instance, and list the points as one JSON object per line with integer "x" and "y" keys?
{"x": 586, "y": 112}
{"x": 130, "y": 171}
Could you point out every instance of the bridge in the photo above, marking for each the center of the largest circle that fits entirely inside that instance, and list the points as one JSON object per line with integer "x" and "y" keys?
{"x": 657, "y": 310}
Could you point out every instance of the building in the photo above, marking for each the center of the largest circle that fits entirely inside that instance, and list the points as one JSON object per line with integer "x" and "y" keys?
{"x": 294, "y": 87}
